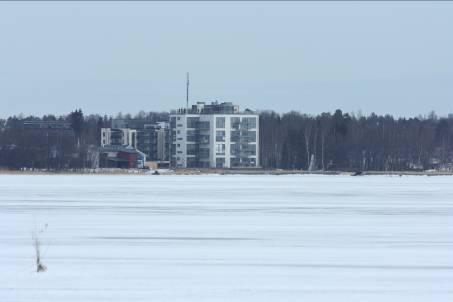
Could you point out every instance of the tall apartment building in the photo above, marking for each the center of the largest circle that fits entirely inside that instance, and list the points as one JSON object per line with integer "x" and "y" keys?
{"x": 154, "y": 140}
{"x": 214, "y": 136}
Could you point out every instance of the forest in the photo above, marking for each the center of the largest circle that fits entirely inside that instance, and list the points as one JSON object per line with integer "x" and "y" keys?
{"x": 342, "y": 141}
{"x": 328, "y": 141}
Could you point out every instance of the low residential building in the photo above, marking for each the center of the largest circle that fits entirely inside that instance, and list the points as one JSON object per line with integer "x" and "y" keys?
{"x": 119, "y": 137}
{"x": 150, "y": 139}
{"x": 56, "y": 125}
{"x": 216, "y": 135}
{"x": 121, "y": 157}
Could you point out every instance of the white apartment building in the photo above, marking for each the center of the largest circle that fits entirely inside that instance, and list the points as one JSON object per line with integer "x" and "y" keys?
{"x": 214, "y": 136}
{"x": 119, "y": 137}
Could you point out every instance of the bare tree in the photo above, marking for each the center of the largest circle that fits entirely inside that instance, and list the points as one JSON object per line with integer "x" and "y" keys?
{"x": 40, "y": 267}
{"x": 308, "y": 130}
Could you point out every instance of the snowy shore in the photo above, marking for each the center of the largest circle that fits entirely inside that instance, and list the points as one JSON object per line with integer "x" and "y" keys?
{"x": 221, "y": 172}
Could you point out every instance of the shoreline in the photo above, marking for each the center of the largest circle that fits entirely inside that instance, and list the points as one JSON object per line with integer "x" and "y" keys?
{"x": 225, "y": 172}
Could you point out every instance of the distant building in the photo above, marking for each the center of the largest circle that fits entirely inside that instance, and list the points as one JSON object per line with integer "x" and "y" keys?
{"x": 57, "y": 125}
{"x": 152, "y": 140}
{"x": 120, "y": 157}
{"x": 130, "y": 123}
{"x": 119, "y": 137}
{"x": 216, "y": 135}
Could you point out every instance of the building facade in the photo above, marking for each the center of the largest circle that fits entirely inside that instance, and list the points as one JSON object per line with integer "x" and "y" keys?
{"x": 119, "y": 137}
{"x": 214, "y": 136}
{"x": 154, "y": 141}
{"x": 125, "y": 157}
{"x": 150, "y": 139}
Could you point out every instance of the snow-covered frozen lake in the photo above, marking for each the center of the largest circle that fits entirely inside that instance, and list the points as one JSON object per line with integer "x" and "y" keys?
{"x": 227, "y": 238}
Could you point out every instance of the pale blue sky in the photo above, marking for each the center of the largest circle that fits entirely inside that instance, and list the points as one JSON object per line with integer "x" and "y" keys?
{"x": 107, "y": 57}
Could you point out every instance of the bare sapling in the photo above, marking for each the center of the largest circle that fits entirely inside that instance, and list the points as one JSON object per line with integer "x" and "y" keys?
{"x": 40, "y": 267}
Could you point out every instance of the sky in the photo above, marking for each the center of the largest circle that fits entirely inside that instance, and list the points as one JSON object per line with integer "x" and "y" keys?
{"x": 110, "y": 57}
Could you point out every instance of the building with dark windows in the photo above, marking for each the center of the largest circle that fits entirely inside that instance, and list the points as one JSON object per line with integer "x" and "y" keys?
{"x": 154, "y": 140}
{"x": 149, "y": 139}
{"x": 216, "y": 135}
{"x": 119, "y": 137}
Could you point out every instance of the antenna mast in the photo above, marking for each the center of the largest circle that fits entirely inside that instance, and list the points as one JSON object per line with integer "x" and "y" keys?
{"x": 187, "y": 94}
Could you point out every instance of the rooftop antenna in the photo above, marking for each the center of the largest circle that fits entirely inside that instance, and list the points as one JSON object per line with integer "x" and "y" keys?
{"x": 187, "y": 94}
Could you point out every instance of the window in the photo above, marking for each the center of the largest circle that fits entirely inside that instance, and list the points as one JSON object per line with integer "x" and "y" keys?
{"x": 179, "y": 118}
{"x": 249, "y": 136}
{"x": 204, "y": 125}
{"x": 235, "y": 162}
{"x": 204, "y": 153}
{"x": 220, "y": 136}
{"x": 234, "y": 149}
{"x": 192, "y": 122}
{"x": 235, "y": 136}
{"x": 220, "y": 149}
{"x": 249, "y": 122}
{"x": 191, "y": 135}
{"x": 248, "y": 149}
{"x": 191, "y": 149}
{"x": 179, "y": 131}
{"x": 133, "y": 139}
{"x": 203, "y": 139}
{"x": 220, "y": 122}
{"x": 248, "y": 162}
{"x": 235, "y": 122}
{"x": 220, "y": 162}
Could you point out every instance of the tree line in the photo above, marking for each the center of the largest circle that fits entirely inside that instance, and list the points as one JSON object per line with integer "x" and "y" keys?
{"x": 69, "y": 147}
{"x": 293, "y": 140}
{"x": 342, "y": 141}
